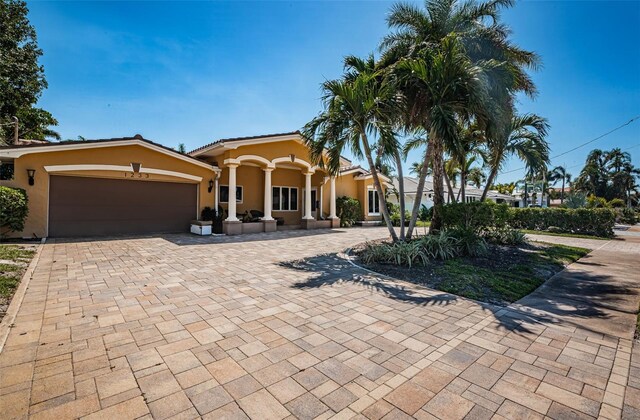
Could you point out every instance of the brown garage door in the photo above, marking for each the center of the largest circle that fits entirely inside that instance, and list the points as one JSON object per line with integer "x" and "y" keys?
{"x": 98, "y": 207}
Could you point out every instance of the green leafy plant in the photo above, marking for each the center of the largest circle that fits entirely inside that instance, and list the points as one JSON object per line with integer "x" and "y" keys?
{"x": 441, "y": 246}
{"x": 469, "y": 242}
{"x": 505, "y": 236}
{"x": 586, "y": 221}
{"x": 476, "y": 216}
{"x": 348, "y": 210}
{"x": 575, "y": 200}
{"x": 14, "y": 208}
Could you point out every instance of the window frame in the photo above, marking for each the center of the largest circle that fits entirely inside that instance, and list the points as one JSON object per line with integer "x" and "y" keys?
{"x": 227, "y": 185}
{"x": 375, "y": 192}
{"x": 289, "y": 198}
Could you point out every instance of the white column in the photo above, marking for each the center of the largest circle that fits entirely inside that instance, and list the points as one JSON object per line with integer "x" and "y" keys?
{"x": 332, "y": 198}
{"x": 307, "y": 196}
{"x": 216, "y": 201}
{"x": 231, "y": 208}
{"x": 267, "y": 194}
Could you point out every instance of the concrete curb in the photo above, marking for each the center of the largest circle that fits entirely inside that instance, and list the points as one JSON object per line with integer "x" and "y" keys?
{"x": 16, "y": 301}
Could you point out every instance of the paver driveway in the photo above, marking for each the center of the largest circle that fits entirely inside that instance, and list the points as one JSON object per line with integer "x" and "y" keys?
{"x": 234, "y": 327}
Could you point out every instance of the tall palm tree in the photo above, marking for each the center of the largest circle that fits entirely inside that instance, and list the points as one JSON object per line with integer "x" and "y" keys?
{"x": 484, "y": 43}
{"x": 559, "y": 173}
{"x": 438, "y": 87}
{"x": 525, "y": 138}
{"x": 358, "y": 108}
{"x": 594, "y": 176}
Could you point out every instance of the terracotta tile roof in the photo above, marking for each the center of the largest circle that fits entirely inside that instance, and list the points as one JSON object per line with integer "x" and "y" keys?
{"x": 111, "y": 140}
{"x": 230, "y": 139}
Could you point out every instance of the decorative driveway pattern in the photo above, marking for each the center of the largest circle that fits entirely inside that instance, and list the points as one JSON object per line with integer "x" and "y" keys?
{"x": 276, "y": 325}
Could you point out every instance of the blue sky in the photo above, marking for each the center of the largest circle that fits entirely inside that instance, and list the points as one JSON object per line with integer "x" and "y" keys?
{"x": 193, "y": 72}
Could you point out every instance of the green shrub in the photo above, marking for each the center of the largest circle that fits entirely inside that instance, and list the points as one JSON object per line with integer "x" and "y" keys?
{"x": 399, "y": 253}
{"x": 476, "y": 216}
{"x": 586, "y": 221}
{"x": 505, "y": 236}
{"x": 616, "y": 203}
{"x": 14, "y": 208}
{"x": 626, "y": 216}
{"x": 441, "y": 246}
{"x": 349, "y": 211}
{"x": 424, "y": 214}
{"x": 469, "y": 242}
{"x": 575, "y": 200}
{"x": 596, "y": 202}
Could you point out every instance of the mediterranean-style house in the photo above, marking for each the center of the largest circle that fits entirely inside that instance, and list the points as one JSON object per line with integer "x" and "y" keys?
{"x": 131, "y": 185}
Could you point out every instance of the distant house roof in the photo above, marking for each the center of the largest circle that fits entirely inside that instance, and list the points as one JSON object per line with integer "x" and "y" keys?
{"x": 411, "y": 187}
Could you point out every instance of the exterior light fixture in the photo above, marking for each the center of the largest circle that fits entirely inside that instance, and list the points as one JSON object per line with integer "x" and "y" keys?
{"x": 31, "y": 173}
{"x": 136, "y": 167}
{"x": 210, "y": 185}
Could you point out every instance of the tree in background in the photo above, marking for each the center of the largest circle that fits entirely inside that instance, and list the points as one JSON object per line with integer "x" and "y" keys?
{"x": 21, "y": 77}
{"x": 609, "y": 175}
{"x": 559, "y": 173}
{"x": 182, "y": 148}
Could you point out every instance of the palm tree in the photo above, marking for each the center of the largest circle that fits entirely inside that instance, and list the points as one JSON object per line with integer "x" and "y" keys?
{"x": 438, "y": 87}
{"x": 476, "y": 176}
{"x": 594, "y": 177}
{"x": 559, "y": 173}
{"x": 484, "y": 60}
{"x": 525, "y": 138}
{"x": 359, "y": 105}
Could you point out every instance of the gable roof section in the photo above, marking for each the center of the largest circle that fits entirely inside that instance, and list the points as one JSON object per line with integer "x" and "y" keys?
{"x": 238, "y": 141}
{"x": 15, "y": 151}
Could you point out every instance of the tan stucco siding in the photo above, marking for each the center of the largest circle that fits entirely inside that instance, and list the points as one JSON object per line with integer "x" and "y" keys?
{"x": 37, "y": 221}
{"x": 272, "y": 151}
{"x": 251, "y": 179}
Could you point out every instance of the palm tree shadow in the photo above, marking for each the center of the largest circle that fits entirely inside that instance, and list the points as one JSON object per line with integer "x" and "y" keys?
{"x": 589, "y": 302}
{"x": 329, "y": 269}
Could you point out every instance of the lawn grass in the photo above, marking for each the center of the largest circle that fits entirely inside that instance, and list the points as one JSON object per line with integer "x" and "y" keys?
{"x": 420, "y": 223}
{"x": 16, "y": 261}
{"x": 568, "y": 235}
{"x": 506, "y": 282}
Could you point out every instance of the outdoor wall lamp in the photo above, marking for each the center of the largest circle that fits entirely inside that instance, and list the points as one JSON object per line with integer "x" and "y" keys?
{"x": 210, "y": 185}
{"x": 31, "y": 173}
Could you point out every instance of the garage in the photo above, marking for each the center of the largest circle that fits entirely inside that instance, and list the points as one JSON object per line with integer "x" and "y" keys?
{"x": 84, "y": 206}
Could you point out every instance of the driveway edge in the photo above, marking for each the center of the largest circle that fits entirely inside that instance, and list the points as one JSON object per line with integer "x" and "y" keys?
{"x": 18, "y": 296}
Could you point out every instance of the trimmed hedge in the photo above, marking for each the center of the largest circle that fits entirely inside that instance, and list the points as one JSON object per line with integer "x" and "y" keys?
{"x": 596, "y": 221}
{"x": 14, "y": 207}
{"x": 476, "y": 216}
{"x": 482, "y": 216}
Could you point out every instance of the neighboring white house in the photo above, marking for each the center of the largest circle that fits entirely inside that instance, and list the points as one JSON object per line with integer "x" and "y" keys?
{"x": 411, "y": 187}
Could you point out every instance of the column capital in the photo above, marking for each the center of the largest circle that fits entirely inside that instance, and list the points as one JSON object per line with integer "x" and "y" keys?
{"x": 269, "y": 169}
{"x": 232, "y": 163}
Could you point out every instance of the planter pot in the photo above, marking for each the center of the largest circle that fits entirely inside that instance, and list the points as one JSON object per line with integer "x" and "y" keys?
{"x": 199, "y": 227}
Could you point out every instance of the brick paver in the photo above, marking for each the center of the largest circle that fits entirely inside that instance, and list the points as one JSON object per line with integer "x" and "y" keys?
{"x": 273, "y": 325}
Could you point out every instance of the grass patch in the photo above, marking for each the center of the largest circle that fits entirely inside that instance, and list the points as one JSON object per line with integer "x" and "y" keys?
{"x": 502, "y": 276}
{"x": 420, "y": 223}
{"x": 567, "y": 235}
{"x": 15, "y": 260}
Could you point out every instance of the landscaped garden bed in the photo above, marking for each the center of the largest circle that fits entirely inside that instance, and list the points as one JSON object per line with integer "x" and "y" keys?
{"x": 499, "y": 274}
{"x": 14, "y": 260}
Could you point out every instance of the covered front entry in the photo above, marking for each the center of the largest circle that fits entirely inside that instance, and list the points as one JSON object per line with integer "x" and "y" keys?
{"x": 84, "y": 206}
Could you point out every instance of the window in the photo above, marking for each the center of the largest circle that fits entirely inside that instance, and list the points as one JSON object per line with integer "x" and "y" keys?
{"x": 284, "y": 198}
{"x": 374, "y": 202}
{"x": 6, "y": 171}
{"x": 224, "y": 193}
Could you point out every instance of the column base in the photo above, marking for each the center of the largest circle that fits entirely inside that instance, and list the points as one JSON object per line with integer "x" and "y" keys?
{"x": 308, "y": 223}
{"x": 232, "y": 227}
{"x": 335, "y": 222}
{"x": 270, "y": 225}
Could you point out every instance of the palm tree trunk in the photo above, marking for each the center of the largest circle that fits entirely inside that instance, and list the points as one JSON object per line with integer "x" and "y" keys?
{"x": 463, "y": 183}
{"x": 490, "y": 179}
{"x": 420, "y": 189}
{"x": 438, "y": 187}
{"x": 562, "y": 192}
{"x": 401, "y": 188}
{"x": 452, "y": 196}
{"x": 378, "y": 187}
